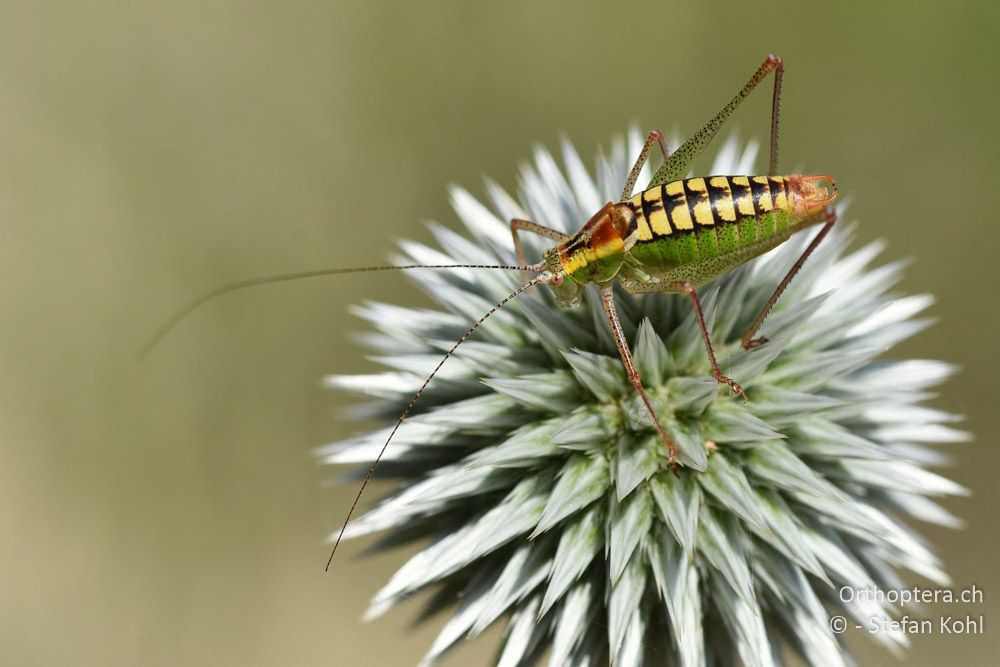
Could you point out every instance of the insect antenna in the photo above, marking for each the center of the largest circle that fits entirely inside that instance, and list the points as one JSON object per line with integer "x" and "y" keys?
{"x": 188, "y": 308}
{"x": 409, "y": 407}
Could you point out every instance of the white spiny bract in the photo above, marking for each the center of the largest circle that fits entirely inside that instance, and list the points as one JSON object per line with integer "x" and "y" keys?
{"x": 542, "y": 491}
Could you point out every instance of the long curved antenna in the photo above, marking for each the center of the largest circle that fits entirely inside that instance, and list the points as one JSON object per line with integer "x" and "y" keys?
{"x": 186, "y": 310}
{"x": 413, "y": 401}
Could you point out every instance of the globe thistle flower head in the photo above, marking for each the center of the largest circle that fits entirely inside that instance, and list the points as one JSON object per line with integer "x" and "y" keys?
{"x": 535, "y": 477}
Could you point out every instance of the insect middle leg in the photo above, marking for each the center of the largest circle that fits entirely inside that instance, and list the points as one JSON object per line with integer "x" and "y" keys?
{"x": 608, "y": 299}
{"x": 749, "y": 342}
{"x": 653, "y": 137}
{"x": 653, "y": 285}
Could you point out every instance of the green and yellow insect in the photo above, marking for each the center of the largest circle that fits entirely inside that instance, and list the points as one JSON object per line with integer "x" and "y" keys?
{"x": 676, "y": 235}
{"x": 680, "y": 233}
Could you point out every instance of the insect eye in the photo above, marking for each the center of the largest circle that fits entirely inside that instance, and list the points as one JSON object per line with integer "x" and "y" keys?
{"x": 557, "y": 280}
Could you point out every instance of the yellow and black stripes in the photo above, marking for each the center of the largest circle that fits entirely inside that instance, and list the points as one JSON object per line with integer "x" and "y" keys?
{"x": 721, "y": 194}
{"x": 684, "y": 206}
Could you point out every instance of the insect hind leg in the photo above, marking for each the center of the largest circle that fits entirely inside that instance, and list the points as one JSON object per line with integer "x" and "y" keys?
{"x": 748, "y": 341}
{"x": 677, "y": 166}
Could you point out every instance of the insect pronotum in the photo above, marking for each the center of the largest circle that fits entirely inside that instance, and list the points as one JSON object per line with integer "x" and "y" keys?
{"x": 676, "y": 235}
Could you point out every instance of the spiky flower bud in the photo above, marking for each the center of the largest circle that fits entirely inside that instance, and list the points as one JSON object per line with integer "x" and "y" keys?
{"x": 536, "y": 474}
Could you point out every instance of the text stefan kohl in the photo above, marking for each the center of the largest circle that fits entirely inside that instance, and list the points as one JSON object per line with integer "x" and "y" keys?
{"x": 946, "y": 625}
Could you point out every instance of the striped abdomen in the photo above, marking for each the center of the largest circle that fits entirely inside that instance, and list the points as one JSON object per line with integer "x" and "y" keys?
{"x": 712, "y": 224}
{"x": 686, "y": 206}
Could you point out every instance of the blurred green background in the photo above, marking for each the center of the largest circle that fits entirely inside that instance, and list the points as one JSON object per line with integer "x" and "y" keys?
{"x": 170, "y": 513}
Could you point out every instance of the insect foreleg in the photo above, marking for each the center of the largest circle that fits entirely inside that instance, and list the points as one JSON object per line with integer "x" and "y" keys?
{"x": 677, "y": 166}
{"x": 516, "y": 224}
{"x": 654, "y": 136}
{"x": 749, "y": 342}
{"x": 608, "y": 299}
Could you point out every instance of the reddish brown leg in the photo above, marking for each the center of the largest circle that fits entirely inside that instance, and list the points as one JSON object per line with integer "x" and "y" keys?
{"x": 517, "y": 224}
{"x": 608, "y": 298}
{"x": 779, "y": 71}
{"x": 633, "y": 175}
{"x": 689, "y": 289}
{"x": 749, "y": 342}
